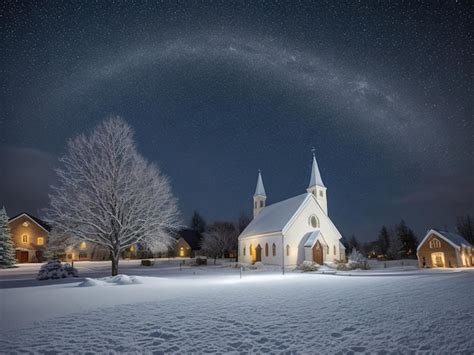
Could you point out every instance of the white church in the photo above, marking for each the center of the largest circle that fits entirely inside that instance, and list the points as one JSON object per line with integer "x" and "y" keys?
{"x": 292, "y": 231}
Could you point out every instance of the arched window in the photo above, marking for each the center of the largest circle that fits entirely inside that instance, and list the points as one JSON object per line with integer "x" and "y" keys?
{"x": 274, "y": 249}
{"x": 314, "y": 221}
{"x": 435, "y": 243}
{"x": 261, "y": 203}
{"x": 287, "y": 250}
{"x": 321, "y": 193}
{"x": 24, "y": 238}
{"x": 255, "y": 204}
{"x": 243, "y": 251}
{"x": 266, "y": 249}
{"x": 334, "y": 248}
{"x": 327, "y": 249}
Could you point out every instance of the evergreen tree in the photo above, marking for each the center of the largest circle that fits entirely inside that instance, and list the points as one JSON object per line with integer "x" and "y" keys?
{"x": 407, "y": 239}
{"x": 383, "y": 241}
{"x": 198, "y": 223}
{"x": 395, "y": 248}
{"x": 465, "y": 228}
{"x": 7, "y": 249}
{"x": 353, "y": 243}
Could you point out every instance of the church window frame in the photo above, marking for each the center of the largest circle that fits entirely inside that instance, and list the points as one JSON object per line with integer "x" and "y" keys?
{"x": 435, "y": 243}
{"x": 243, "y": 251}
{"x": 261, "y": 203}
{"x": 288, "y": 249}
{"x": 334, "y": 249}
{"x": 274, "y": 249}
{"x": 313, "y": 221}
{"x": 321, "y": 193}
{"x": 266, "y": 249}
{"x": 251, "y": 250}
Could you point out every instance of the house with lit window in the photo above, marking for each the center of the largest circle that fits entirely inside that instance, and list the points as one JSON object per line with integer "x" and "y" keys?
{"x": 292, "y": 231}
{"x": 29, "y": 234}
{"x": 444, "y": 249}
{"x": 188, "y": 243}
{"x": 86, "y": 251}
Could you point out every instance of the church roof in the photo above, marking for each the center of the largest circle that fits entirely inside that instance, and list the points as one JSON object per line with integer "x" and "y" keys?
{"x": 274, "y": 218}
{"x": 315, "y": 175}
{"x": 260, "y": 190}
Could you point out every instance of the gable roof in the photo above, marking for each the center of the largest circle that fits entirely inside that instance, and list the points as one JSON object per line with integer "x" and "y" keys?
{"x": 38, "y": 221}
{"x": 191, "y": 237}
{"x": 273, "y": 218}
{"x": 452, "y": 238}
{"x": 313, "y": 237}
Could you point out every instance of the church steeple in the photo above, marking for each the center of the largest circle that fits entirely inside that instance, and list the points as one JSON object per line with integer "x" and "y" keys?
{"x": 259, "y": 197}
{"x": 316, "y": 186}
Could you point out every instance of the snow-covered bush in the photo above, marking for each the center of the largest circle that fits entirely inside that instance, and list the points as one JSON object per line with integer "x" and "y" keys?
{"x": 256, "y": 266}
{"x": 357, "y": 261}
{"x": 53, "y": 269}
{"x": 308, "y": 266}
{"x": 148, "y": 262}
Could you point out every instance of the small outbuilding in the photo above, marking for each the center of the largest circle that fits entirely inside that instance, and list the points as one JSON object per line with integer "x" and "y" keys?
{"x": 444, "y": 249}
{"x": 188, "y": 243}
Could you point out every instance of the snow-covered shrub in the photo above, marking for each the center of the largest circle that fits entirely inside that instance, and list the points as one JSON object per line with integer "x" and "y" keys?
{"x": 308, "y": 266}
{"x": 341, "y": 265}
{"x": 357, "y": 261}
{"x": 53, "y": 269}
{"x": 256, "y": 266}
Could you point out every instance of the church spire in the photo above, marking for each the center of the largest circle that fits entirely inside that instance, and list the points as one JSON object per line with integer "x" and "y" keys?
{"x": 260, "y": 190}
{"x": 316, "y": 186}
{"x": 315, "y": 174}
{"x": 259, "y": 196}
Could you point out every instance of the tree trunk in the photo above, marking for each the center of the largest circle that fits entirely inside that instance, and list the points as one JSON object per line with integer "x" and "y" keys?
{"x": 114, "y": 256}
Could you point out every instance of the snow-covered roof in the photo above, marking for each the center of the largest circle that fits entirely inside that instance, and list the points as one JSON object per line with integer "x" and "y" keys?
{"x": 452, "y": 238}
{"x": 315, "y": 175}
{"x": 313, "y": 237}
{"x": 260, "y": 190}
{"x": 274, "y": 218}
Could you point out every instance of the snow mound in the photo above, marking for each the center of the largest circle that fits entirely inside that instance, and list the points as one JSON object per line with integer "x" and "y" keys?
{"x": 113, "y": 280}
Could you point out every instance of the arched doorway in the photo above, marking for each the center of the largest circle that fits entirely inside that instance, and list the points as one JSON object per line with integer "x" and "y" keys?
{"x": 318, "y": 253}
{"x": 258, "y": 253}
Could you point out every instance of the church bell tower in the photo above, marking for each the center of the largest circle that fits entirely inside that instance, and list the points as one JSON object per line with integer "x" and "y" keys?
{"x": 316, "y": 186}
{"x": 259, "y": 197}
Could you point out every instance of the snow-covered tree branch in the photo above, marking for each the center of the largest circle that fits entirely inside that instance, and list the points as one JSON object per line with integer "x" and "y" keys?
{"x": 110, "y": 195}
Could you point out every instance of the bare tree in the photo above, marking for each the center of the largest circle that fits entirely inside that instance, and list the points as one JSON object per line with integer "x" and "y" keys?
{"x": 219, "y": 239}
{"x": 108, "y": 194}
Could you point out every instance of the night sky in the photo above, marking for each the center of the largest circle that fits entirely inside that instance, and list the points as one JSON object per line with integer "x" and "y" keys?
{"x": 217, "y": 90}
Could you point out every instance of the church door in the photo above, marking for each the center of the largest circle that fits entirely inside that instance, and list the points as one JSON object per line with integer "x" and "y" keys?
{"x": 258, "y": 252}
{"x": 318, "y": 253}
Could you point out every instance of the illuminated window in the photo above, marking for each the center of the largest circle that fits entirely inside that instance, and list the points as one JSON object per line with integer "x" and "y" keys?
{"x": 274, "y": 250}
{"x": 40, "y": 241}
{"x": 287, "y": 250}
{"x": 181, "y": 251}
{"x": 83, "y": 245}
{"x": 266, "y": 249}
{"x": 132, "y": 248}
{"x": 435, "y": 243}
{"x": 24, "y": 239}
{"x": 25, "y": 224}
{"x": 251, "y": 250}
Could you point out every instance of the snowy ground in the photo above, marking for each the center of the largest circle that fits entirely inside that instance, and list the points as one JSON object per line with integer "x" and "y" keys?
{"x": 212, "y": 310}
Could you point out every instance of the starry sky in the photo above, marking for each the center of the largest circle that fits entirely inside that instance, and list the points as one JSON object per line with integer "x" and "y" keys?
{"x": 216, "y": 90}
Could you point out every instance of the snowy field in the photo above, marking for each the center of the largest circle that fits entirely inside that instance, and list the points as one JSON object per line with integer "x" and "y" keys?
{"x": 212, "y": 310}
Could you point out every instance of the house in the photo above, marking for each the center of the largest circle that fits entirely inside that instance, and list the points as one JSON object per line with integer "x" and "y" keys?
{"x": 444, "y": 249}
{"x": 29, "y": 234}
{"x": 292, "y": 231}
{"x": 188, "y": 244}
{"x": 86, "y": 251}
